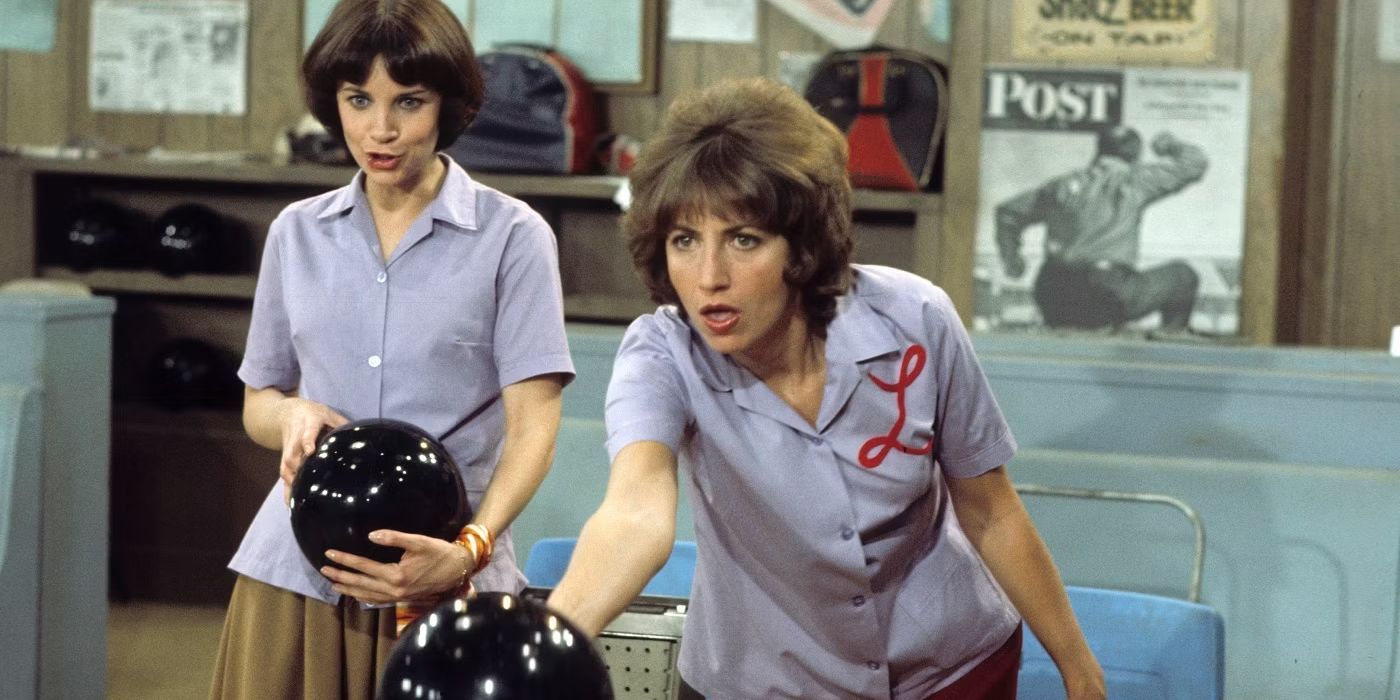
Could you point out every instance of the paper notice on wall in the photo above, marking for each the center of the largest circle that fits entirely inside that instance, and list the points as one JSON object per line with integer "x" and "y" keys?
{"x": 176, "y": 56}
{"x": 1176, "y": 31}
{"x": 1388, "y": 33}
{"x": 847, "y": 24}
{"x": 729, "y": 21}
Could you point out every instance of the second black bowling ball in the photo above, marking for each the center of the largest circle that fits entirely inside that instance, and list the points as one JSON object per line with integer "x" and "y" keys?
{"x": 190, "y": 238}
{"x": 190, "y": 373}
{"x": 375, "y": 474}
{"x": 494, "y": 646}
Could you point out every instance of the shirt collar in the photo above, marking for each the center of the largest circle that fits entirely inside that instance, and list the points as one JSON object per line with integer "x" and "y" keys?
{"x": 455, "y": 203}
{"x": 857, "y": 334}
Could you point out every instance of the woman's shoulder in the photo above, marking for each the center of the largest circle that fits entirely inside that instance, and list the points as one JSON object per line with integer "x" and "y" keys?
{"x": 662, "y": 327}
{"x": 303, "y": 213}
{"x": 881, "y": 285}
{"x": 496, "y": 209}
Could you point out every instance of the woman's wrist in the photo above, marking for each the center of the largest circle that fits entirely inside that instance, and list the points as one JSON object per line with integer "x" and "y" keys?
{"x": 479, "y": 543}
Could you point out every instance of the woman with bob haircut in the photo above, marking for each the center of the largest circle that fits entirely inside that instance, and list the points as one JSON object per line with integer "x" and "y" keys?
{"x": 857, "y": 534}
{"x": 412, "y": 293}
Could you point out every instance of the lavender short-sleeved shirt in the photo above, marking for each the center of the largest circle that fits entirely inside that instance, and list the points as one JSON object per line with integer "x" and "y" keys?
{"x": 830, "y": 560}
{"x": 469, "y": 302}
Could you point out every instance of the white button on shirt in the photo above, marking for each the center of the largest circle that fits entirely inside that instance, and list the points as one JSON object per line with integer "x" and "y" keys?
{"x": 374, "y": 361}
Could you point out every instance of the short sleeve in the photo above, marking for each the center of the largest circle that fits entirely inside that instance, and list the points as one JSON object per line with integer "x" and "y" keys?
{"x": 973, "y": 436}
{"x": 269, "y": 359}
{"x": 530, "y": 339}
{"x": 646, "y": 396}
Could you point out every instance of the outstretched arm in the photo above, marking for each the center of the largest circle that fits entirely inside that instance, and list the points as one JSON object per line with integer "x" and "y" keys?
{"x": 997, "y": 524}
{"x": 625, "y": 542}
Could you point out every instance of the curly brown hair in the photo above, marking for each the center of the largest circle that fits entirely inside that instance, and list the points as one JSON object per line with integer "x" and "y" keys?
{"x": 756, "y": 151}
{"x": 422, "y": 43}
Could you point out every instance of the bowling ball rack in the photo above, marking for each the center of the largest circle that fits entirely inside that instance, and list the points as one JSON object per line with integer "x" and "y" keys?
{"x": 641, "y": 646}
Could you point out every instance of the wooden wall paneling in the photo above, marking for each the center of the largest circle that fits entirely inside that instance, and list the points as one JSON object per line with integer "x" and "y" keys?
{"x": 1366, "y": 291}
{"x": 1315, "y": 268}
{"x": 1263, "y": 52}
{"x": 782, "y": 34}
{"x": 719, "y": 61}
{"x": 275, "y": 101}
{"x": 16, "y": 237}
{"x": 969, "y": 52}
{"x": 5, "y": 99}
{"x": 1232, "y": 28}
{"x": 189, "y": 132}
{"x": 35, "y": 88}
{"x": 82, "y": 121}
{"x": 680, "y": 71}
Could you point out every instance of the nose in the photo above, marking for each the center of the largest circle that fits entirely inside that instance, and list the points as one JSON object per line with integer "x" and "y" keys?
{"x": 714, "y": 268}
{"x": 383, "y": 127}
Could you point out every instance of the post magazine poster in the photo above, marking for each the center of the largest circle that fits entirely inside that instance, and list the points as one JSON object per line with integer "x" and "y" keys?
{"x": 1112, "y": 200}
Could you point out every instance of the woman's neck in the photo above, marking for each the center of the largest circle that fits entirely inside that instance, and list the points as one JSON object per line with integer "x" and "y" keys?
{"x": 793, "y": 366}
{"x": 407, "y": 201}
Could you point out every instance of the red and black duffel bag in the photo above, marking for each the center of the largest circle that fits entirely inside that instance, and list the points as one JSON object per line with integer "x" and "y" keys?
{"x": 892, "y": 105}
{"x": 540, "y": 115}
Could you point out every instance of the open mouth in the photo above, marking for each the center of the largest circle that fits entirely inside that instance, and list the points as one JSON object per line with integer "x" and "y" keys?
{"x": 719, "y": 318}
{"x": 382, "y": 161}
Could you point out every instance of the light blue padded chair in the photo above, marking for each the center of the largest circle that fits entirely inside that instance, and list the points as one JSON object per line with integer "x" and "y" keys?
{"x": 550, "y": 556}
{"x": 1151, "y": 647}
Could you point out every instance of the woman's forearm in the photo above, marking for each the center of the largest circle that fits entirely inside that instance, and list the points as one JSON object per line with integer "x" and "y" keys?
{"x": 625, "y": 542}
{"x": 995, "y": 521}
{"x": 533, "y": 410}
{"x": 262, "y": 418}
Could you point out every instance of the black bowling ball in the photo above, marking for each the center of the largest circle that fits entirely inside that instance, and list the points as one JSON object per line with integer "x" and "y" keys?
{"x": 189, "y": 373}
{"x": 375, "y": 474}
{"x": 190, "y": 238}
{"x": 494, "y": 646}
{"x": 97, "y": 233}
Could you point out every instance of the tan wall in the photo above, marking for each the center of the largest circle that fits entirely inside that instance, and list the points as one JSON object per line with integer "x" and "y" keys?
{"x": 1295, "y": 253}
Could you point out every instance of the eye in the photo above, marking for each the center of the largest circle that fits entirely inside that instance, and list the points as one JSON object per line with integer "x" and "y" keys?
{"x": 681, "y": 240}
{"x": 357, "y": 101}
{"x": 411, "y": 102}
{"x": 746, "y": 241}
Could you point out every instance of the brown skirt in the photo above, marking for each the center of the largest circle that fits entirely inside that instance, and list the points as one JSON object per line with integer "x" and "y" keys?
{"x": 279, "y": 644}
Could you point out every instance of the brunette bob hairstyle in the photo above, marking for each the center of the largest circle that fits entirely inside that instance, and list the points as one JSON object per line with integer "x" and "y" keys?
{"x": 422, "y": 43}
{"x": 751, "y": 150}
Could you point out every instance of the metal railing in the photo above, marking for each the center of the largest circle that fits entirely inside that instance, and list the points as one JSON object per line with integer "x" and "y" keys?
{"x": 1194, "y": 593}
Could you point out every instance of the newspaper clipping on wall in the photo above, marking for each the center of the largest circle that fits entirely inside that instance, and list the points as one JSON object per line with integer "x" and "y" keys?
{"x": 1112, "y": 200}
{"x": 174, "y": 56}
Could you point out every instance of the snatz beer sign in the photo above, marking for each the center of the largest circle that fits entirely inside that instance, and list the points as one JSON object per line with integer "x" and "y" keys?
{"x": 1181, "y": 31}
{"x": 1050, "y": 100}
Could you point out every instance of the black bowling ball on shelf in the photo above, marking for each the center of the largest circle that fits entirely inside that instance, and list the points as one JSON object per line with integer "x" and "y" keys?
{"x": 495, "y": 646}
{"x": 190, "y": 238}
{"x": 375, "y": 474}
{"x": 189, "y": 373}
{"x": 97, "y": 233}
